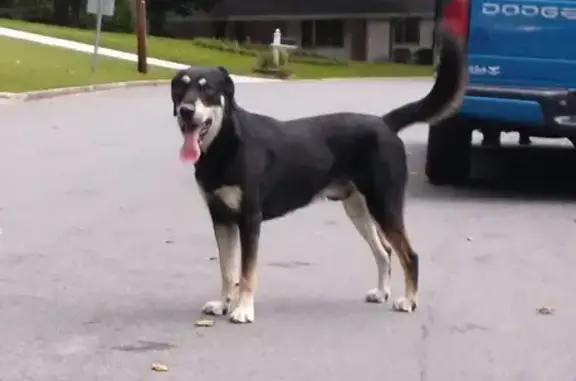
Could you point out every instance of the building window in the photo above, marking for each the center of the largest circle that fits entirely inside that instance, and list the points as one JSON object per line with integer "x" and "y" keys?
{"x": 406, "y": 31}
{"x": 322, "y": 33}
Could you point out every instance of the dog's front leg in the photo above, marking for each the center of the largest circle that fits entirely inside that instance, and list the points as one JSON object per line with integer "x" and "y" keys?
{"x": 249, "y": 226}
{"x": 226, "y": 239}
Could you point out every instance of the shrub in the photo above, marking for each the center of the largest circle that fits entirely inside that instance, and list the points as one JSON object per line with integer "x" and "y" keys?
{"x": 312, "y": 60}
{"x": 424, "y": 56}
{"x": 266, "y": 64}
{"x": 282, "y": 73}
{"x": 29, "y": 10}
{"x": 402, "y": 55}
{"x": 124, "y": 18}
{"x": 252, "y": 49}
{"x": 266, "y": 60}
{"x": 223, "y": 45}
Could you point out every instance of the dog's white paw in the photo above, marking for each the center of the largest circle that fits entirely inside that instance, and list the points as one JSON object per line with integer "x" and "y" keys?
{"x": 242, "y": 314}
{"x": 376, "y": 295}
{"x": 404, "y": 305}
{"x": 215, "y": 308}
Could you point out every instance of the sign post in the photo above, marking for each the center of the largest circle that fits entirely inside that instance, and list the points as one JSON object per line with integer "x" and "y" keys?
{"x": 100, "y": 8}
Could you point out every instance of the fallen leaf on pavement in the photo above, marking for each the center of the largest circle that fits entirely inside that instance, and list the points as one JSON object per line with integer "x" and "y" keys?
{"x": 204, "y": 323}
{"x": 546, "y": 310}
{"x": 157, "y": 367}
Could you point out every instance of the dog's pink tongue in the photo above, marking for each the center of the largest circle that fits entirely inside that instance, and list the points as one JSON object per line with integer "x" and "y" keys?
{"x": 190, "y": 150}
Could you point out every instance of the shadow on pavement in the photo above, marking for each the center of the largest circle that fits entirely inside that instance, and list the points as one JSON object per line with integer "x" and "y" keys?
{"x": 517, "y": 173}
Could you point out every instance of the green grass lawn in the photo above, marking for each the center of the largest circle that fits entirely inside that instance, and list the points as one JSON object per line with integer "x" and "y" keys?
{"x": 186, "y": 52}
{"x": 26, "y": 66}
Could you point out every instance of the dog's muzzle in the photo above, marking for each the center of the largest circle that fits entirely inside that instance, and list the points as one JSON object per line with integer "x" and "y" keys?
{"x": 189, "y": 121}
{"x": 194, "y": 130}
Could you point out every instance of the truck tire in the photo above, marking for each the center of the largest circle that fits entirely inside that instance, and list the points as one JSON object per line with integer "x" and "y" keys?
{"x": 448, "y": 152}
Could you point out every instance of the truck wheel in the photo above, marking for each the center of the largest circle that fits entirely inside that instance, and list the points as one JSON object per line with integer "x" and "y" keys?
{"x": 448, "y": 152}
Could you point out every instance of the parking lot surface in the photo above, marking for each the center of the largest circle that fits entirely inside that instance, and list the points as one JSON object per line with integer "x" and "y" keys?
{"x": 107, "y": 256}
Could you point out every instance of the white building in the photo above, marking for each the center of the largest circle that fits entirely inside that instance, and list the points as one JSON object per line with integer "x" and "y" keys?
{"x": 363, "y": 30}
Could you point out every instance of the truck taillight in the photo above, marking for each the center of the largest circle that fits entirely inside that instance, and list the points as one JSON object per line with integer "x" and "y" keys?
{"x": 455, "y": 17}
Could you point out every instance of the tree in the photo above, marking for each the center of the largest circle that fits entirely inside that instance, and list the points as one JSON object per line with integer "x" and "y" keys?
{"x": 158, "y": 9}
{"x": 67, "y": 12}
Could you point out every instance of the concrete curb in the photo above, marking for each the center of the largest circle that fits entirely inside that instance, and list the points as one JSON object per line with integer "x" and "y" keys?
{"x": 364, "y": 79}
{"x": 59, "y": 92}
{"x": 53, "y": 93}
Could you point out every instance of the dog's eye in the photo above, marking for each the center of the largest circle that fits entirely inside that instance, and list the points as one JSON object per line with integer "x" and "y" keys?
{"x": 204, "y": 86}
{"x": 209, "y": 91}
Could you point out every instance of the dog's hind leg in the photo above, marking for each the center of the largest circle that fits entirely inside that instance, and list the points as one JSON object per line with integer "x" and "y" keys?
{"x": 226, "y": 240}
{"x": 410, "y": 264}
{"x": 355, "y": 207}
{"x": 388, "y": 212}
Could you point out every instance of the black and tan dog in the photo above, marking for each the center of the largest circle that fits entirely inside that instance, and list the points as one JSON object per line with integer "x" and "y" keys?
{"x": 251, "y": 168}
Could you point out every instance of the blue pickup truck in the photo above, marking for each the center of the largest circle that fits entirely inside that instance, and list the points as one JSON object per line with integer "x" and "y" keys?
{"x": 522, "y": 78}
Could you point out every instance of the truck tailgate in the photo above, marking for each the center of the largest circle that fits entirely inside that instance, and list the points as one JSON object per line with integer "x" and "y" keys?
{"x": 523, "y": 43}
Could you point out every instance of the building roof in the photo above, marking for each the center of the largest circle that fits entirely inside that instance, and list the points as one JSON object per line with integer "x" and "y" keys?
{"x": 259, "y": 8}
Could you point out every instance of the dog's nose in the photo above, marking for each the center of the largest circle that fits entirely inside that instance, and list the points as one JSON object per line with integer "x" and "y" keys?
{"x": 186, "y": 113}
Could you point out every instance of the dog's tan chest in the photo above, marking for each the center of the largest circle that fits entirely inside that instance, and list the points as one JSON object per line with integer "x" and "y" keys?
{"x": 229, "y": 195}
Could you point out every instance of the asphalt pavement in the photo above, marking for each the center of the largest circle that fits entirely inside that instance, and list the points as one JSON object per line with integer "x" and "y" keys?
{"x": 106, "y": 257}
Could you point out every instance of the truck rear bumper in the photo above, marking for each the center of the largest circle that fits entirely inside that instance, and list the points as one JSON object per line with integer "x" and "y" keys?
{"x": 547, "y": 112}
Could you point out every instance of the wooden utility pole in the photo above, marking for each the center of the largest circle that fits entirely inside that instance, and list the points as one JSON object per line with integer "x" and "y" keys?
{"x": 141, "y": 35}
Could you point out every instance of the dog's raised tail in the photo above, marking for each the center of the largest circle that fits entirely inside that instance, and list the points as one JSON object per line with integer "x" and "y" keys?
{"x": 446, "y": 94}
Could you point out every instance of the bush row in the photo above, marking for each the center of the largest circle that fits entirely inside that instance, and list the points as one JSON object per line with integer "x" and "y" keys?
{"x": 43, "y": 11}
{"x": 296, "y": 55}
{"x": 423, "y": 56}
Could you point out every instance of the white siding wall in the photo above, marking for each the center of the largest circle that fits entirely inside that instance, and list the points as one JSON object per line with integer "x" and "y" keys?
{"x": 426, "y": 33}
{"x": 378, "y": 36}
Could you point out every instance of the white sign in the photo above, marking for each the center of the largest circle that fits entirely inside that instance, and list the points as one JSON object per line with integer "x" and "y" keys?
{"x": 484, "y": 70}
{"x": 104, "y": 7}
{"x": 100, "y": 8}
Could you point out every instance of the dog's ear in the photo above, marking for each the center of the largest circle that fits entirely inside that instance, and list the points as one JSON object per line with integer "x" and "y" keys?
{"x": 173, "y": 96}
{"x": 178, "y": 87}
{"x": 228, "y": 83}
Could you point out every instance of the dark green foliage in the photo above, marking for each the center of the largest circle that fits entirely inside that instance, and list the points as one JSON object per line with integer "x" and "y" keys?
{"x": 296, "y": 55}
{"x": 30, "y": 10}
{"x": 158, "y": 9}
{"x": 73, "y": 12}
